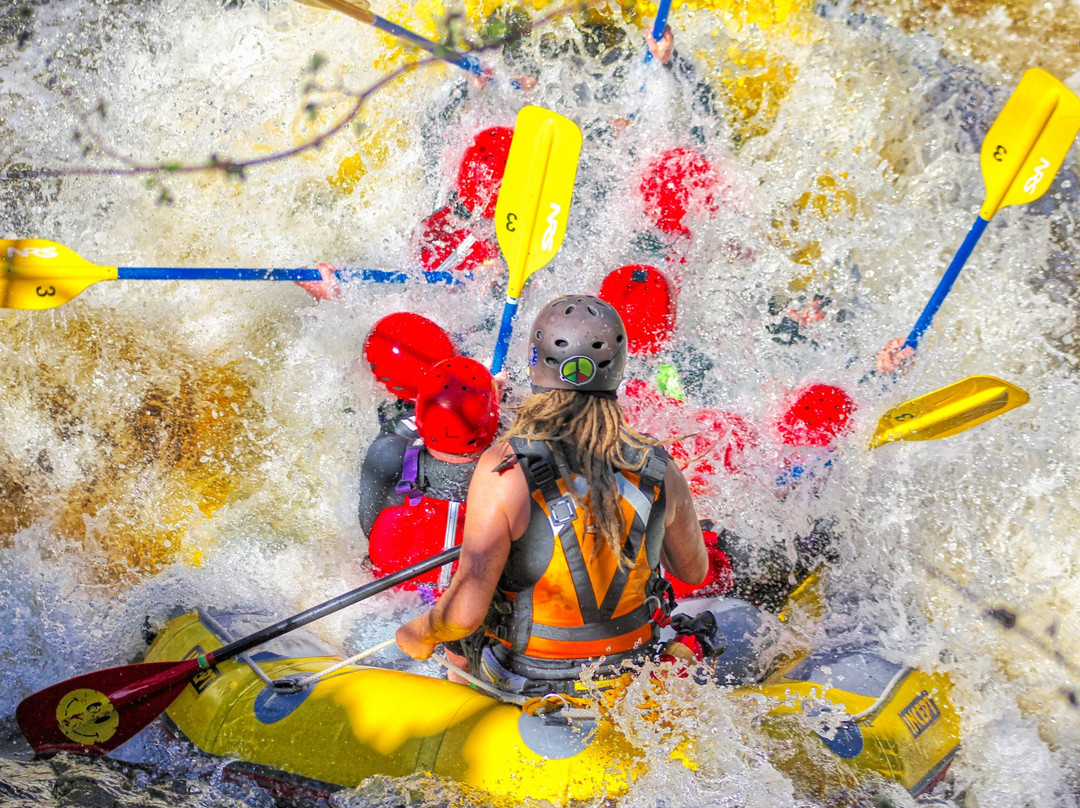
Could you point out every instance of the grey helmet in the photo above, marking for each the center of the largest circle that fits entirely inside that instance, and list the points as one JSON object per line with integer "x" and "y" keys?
{"x": 578, "y": 342}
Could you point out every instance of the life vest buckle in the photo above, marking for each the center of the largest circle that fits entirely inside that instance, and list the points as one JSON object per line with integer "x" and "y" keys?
{"x": 542, "y": 472}
{"x": 563, "y": 511}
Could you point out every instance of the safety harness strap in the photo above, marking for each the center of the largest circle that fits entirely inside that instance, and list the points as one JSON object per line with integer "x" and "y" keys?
{"x": 541, "y": 471}
{"x": 409, "y": 484}
{"x": 651, "y": 480}
{"x": 614, "y": 627}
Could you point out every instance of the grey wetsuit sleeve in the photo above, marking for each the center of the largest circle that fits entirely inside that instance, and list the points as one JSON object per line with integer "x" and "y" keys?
{"x": 379, "y": 475}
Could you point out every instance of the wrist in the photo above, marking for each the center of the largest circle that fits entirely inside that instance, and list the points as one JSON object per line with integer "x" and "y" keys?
{"x": 437, "y": 630}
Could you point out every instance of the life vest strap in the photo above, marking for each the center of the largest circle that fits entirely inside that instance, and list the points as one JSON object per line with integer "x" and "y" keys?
{"x": 614, "y": 627}
{"x": 651, "y": 480}
{"x": 542, "y": 471}
{"x": 409, "y": 484}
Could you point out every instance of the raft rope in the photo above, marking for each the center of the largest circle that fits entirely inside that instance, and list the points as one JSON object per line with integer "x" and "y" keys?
{"x": 552, "y": 707}
{"x": 288, "y": 684}
{"x": 886, "y": 693}
{"x": 480, "y": 684}
{"x": 546, "y": 706}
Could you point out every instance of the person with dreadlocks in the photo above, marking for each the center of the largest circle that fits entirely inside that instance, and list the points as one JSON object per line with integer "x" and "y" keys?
{"x": 570, "y": 517}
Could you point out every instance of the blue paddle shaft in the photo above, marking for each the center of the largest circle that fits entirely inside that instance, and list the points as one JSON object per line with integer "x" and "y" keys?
{"x": 465, "y": 61}
{"x": 946, "y": 282}
{"x": 659, "y": 25}
{"x": 244, "y": 274}
{"x": 502, "y": 344}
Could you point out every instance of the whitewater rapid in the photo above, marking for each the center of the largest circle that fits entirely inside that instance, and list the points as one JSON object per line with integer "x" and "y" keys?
{"x": 183, "y": 444}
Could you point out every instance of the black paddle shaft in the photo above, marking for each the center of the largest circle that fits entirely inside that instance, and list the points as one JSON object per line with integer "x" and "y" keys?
{"x": 329, "y": 607}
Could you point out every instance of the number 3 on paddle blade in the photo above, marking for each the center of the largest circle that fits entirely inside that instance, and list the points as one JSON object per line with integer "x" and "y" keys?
{"x": 1028, "y": 142}
{"x": 534, "y": 201}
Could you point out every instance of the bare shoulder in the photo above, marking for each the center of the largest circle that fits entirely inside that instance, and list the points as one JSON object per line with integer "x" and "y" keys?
{"x": 499, "y": 488}
{"x": 499, "y": 470}
{"x": 675, "y": 485}
{"x": 493, "y": 455}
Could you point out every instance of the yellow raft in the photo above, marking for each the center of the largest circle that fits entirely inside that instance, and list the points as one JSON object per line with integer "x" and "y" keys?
{"x": 357, "y": 722}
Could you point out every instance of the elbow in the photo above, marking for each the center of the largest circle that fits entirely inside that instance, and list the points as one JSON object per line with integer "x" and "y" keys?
{"x": 698, "y": 572}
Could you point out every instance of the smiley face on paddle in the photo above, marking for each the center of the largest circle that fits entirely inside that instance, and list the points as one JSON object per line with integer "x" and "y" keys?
{"x": 87, "y": 717}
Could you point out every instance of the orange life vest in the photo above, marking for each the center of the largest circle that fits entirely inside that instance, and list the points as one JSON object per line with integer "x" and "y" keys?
{"x": 583, "y": 604}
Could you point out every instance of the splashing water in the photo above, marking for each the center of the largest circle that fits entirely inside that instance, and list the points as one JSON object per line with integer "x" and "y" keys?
{"x": 178, "y": 444}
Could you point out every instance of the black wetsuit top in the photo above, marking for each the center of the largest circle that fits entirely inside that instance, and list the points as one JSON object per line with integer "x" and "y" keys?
{"x": 381, "y": 471}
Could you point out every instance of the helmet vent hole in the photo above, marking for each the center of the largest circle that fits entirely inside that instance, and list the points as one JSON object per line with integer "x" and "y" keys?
{"x": 561, "y": 343}
{"x": 603, "y": 364}
{"x": 592, "y": 311}
{"x": 539, "y": 335}
{"x": 619, "y": 339}
{"x": 599, "y": 346}
{"x": 551, "y": 362}
{"x": 569, "y": 309}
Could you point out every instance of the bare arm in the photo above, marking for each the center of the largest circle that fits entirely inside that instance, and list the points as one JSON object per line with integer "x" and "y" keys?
{"x": 497, "y": 511}
{"x": 683, "y": 551}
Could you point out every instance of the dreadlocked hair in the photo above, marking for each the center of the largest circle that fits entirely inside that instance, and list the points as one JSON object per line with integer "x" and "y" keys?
{"x": 596, "y": 428}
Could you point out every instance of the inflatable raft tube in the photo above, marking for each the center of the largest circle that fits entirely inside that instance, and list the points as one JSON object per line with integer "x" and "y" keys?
{"x": 359, "y": 722}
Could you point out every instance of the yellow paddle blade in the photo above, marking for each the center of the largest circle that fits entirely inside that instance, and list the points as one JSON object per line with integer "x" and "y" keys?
{"x": 534, "y": 201}
{"x": 1028, "y": 142}
{"x": 40, "y": 274}
{"x": 949, "y": 411}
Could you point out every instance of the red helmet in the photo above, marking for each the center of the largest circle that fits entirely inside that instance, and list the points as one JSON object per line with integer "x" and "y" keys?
{"x": 402, "y": 347}
{"x": 482, "y": 169}
{"x": 677, "y": 182}
{"x": 456, "y": 407}
{"x": 818, "y": 414}
{"x": 645, "y": 299}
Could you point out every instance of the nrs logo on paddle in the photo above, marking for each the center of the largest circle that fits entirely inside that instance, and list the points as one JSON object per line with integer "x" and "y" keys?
{"x": 32, "y": 252}
{"x": 548, "y": 241}
{"x": 1032, "y": 183}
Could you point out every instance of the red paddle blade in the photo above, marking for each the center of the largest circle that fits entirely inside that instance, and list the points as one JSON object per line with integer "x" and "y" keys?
{"x": 97, "y": 712}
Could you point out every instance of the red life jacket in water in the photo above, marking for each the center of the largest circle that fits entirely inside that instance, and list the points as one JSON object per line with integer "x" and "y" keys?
{"x": 415, "y": 530}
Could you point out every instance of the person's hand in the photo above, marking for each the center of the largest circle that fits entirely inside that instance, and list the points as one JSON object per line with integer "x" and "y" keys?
{"x": 812, "y": 312}
{"x": 329, "y": 288}
{"x": 524, "y": 82}
{"x": 894, "y": 358}
{"x": 412, "y": 638}
{"x": 500, "y": 380}
{"x": 663, "y": 50}
{"x": 480, "y": 81}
